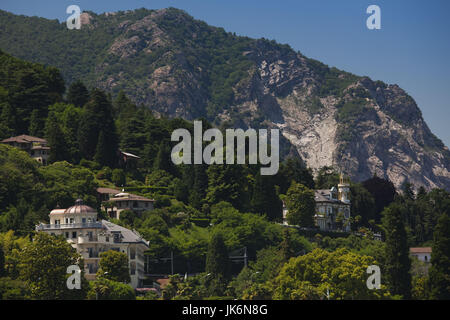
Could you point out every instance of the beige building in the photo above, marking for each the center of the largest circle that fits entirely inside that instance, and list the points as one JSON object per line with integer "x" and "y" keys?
{"x": 332, "y": 207}
{"x": 114, "y": 204}
{"x": 36, "y": 147}
{"x": 90, "y": 237}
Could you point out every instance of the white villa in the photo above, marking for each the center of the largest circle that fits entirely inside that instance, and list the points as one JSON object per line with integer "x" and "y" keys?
{"x": 113, "y": 203}
{"x": 332, "y": 207}
{"x": 90, "y": 237}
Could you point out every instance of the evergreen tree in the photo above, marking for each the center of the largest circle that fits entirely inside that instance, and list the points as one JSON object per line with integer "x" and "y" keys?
{"x": 265, "y": 199}
{"x": 383, "y": 192}
{"x": 228, "y": 183}
{"x": 362, "y": 204}
{"x": 7, "y": 121}
{"x": 398, "y": 263}
{"x": 55, "y": 139}
{"x": 408, "y": 192}
{"x": 199, "y": 186}
{"x": 101, "y": 152}
{"x": 286, "y": 248}
{"x": 97, "y": 116}
{"x": 439, "y": 275}
{"x": 163, "y": 159}
{"x": 293, "y": 169}
{"x": 217, "y": 264}
{"x": 35, "y": 128}
{"x": 2, "y": 262}
{"x": 77, "y": 94}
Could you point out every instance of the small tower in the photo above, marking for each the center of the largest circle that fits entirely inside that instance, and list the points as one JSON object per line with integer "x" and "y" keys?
{"x": 343, "y": 189}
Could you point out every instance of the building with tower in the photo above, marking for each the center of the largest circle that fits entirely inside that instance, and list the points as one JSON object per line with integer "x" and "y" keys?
{"x": 332, "y": 207}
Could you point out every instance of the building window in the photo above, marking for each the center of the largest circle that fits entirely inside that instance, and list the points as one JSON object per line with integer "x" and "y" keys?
{"x": 57, "y": 221}
{"x": 426, "y": 258}
{"x": 67, "y": 235}
{"x": 74, "y": 234}
{"x": 135, "y": 204}
{"x": 83, "y": 220}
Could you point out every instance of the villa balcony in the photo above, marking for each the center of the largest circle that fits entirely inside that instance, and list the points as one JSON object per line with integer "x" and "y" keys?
{"x": 89, "y": 225}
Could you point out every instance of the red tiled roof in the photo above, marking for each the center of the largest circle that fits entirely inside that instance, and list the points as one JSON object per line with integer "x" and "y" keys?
{"x": 108, "y": 191}
{"x": 420, "y": 250}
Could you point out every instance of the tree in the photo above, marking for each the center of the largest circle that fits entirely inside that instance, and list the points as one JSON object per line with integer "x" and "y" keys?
{"x": 265, "y": 199}
{"x": 398, "y": 263}
{"x": 56, "y": 140}
{"x": 439, "y": 275}
{"x": 97, "y": 117}
{"x": 43, "y": 265}
{"x": 217, "y": 264}
{"x": 104, "y": 154}
{"x": 287, "y": 251}
{"x": 227, "y": 183}
{"x": 118, "y": 177}
{"x": 106, "y": 289}
{"x": 327, "y": 177}
{"x": 7, "y": 121}
{"x": 383, "y": 192}
{"x": 301, "y": 205}
{"x": 2, "y": 262}
{"x": 320, "y": 274}
{"x": 362, "y": 204}
{"x": 114, "y": 266}
{"x": 293, "y": 169}
{"x": 35, "y": 128}
{"x": 77, "y": 94}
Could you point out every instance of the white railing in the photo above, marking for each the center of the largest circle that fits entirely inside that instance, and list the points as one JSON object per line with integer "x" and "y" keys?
{"x": 42, "y": 227}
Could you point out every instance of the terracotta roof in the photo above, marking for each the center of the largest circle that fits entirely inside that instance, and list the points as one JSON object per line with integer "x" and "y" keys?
{"x": 24, "y": 139}
{"x": 420, "y": 250}
{"x": 163, "y": 282}
{"x": 107, "y": 191}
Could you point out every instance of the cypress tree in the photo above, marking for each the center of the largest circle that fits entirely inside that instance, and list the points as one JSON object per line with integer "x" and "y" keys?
{"x": 77, "y": 94}
{"x": 398, "y": 263}
{"x": 35, "y": 128}
{"x": 217, "y": 265}
{"x": 97, "y": 116}
{"x": 7, "y": 121}
{"x": 286, "y": 249}
{"x": 217, "y": 262}
{"x": 439, "y": 275}
{"x": 56, "y": 140}
{"x": 2, "y": 262}
{"x": 265, "y": 199}
{"x": 163, "y": 160}
{"x": 199, "y": 186}
{"x": 101, "y": 153}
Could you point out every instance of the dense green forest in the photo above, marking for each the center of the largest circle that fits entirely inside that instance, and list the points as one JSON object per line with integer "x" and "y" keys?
{"x": 202, "y": 213}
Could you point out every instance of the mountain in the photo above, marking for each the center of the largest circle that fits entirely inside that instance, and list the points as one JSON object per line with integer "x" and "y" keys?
{"x": 182, "y": 67}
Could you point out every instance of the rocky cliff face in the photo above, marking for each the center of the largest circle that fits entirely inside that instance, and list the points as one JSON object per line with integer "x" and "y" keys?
{"x": 181, "y": 67}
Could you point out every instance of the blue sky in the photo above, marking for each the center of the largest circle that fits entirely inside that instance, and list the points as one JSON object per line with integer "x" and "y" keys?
{"x": 411, "y": 49}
